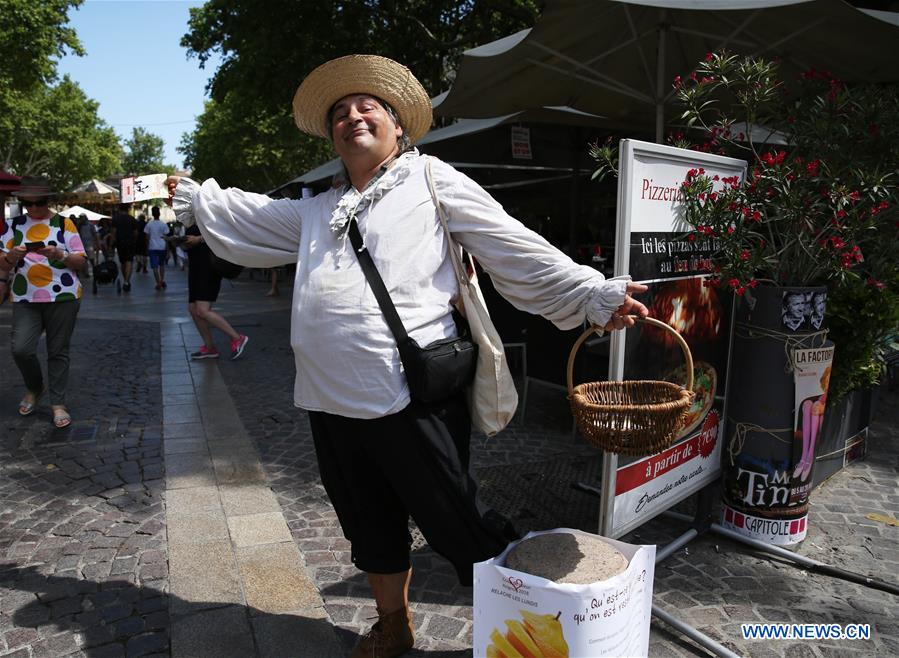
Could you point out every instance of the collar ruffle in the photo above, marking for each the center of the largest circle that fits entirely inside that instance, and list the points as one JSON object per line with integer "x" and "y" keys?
{"x": 354, "y": 202}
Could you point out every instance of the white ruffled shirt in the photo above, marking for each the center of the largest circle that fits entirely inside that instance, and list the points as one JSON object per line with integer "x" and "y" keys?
{"x": 347, "y": 361}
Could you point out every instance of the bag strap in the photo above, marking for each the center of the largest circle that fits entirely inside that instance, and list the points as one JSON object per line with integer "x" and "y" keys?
{"x": 377, "y": 285}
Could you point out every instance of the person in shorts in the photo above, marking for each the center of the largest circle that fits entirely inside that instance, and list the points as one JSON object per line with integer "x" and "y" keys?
{"x": 203, "y": 284}
{"x": 383, "y": 455}
{"x": 156, "y": 231}
{"x": 124, "y": 233}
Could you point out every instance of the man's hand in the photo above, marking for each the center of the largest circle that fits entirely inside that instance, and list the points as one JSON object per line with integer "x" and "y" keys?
{"x": 191, "y": 241}
{"x": 171, "y": 183}
{"x": 621, "y": 318}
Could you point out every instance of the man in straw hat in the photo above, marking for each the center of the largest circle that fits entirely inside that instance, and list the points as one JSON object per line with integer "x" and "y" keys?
{"x": 384, "y": 456}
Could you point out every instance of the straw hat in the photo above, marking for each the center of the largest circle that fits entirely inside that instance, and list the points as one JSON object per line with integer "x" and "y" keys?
{"x": 361, "y": 74}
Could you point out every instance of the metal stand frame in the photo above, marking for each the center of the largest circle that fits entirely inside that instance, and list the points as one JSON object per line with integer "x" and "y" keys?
{"x": 702, "y": 523}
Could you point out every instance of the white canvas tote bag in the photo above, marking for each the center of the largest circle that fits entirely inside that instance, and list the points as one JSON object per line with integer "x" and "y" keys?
{"x": 492, "y": 398}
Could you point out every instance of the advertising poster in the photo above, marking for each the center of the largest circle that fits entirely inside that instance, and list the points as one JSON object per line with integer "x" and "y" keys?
{"x": 518, "y": 614}
{"x": 127, "y": 191}
{"x": 772, "y": 506}
{"x": 143, "y": 188}
{"x": 656, "y": 248}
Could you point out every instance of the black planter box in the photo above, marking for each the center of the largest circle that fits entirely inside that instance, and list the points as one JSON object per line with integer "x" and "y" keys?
{"x": 844, "y": 434}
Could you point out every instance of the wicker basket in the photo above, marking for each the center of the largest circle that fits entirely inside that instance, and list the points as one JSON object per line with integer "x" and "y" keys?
{"x": 633, "y": 417}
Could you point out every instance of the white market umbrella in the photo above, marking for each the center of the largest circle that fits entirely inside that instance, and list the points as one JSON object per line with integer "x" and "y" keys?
{"x": 78, "y": 211}
{"x": 94, "y": 186}
{"x": 617, "y": 58}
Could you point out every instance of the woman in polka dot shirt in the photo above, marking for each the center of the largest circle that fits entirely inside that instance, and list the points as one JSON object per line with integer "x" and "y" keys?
{"x": 40, "y": 256}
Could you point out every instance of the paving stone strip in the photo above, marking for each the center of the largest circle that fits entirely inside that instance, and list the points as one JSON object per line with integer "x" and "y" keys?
{"x": 239, "y": 584}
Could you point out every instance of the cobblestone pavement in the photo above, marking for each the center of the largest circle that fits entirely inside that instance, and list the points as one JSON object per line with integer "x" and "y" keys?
{"x": 713, "y": 584}
{"x": 84, "y": 561}
{"x": 82, "y": 537}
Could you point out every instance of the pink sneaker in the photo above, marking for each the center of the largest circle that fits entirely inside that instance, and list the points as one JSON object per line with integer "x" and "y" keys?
{"x": 205, "y": 353}
{"x": 238, "y": 345}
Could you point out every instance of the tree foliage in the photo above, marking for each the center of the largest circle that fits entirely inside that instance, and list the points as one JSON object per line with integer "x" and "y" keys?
{"x": 144, "y": 154}
{"x": 56, "y": 131}
{"x": 246, "y": 137}
{"x": 32, "y": 36}
{"x": 243, "y": 143}
{"x": 47, "y": 127}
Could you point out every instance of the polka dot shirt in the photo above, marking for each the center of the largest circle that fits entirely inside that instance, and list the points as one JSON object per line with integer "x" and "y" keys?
{"x": 37, "y": 278}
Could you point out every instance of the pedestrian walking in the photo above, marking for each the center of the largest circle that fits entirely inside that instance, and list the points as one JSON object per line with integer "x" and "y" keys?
{"x": 177, "y": 243}
{"x": 104, "y": 231}
{"x": 41, "y": 254}
{"x": 383, "y": 454}
{"x": 203, "y": 285}
{"x": 273, "y": 291}
{"x": 140, "y": 245}
{"x": 156, "y": 231}
{"x": 90, "y": 240}
{"x": 124, "y": 236}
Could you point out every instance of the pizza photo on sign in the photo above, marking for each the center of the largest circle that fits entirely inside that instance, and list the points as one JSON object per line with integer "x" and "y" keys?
{"x": 690, "y": 307}
{"x": 705, "y": 382}
{"x": 695, "y": 311}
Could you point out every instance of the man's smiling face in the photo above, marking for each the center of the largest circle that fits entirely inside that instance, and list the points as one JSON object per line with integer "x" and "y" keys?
{"x": 361, "y": 126}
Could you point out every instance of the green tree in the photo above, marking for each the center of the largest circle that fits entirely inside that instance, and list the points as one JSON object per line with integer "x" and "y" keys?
{"x": 144, "y": 153}
{"x": 243, "y": 144}
{"x": 47, "y": 127}
{"x": 56, "y": 131}
{"x": 250, "y": 139}
{"x": 32, "y": 36}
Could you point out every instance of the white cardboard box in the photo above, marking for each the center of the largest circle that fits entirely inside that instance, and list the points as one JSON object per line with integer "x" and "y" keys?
{"x": 517, "y": 614}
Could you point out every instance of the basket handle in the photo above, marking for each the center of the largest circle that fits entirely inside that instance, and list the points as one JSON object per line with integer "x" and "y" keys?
{"x": 688, "y": 356}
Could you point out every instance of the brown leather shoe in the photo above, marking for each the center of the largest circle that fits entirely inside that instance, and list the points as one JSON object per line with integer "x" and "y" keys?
{"x": 391, "y": 636}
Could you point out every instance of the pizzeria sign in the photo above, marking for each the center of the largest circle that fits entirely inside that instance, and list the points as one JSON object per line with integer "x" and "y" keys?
{"x": 653, "y": 246}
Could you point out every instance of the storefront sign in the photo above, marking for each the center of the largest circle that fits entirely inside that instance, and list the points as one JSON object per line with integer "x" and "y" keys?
{"x": 654, "y": 246}
{"x": 521, "y": 143}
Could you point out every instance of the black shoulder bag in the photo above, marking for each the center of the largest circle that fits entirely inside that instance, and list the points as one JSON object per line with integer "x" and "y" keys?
{"x": 434, "y": 372}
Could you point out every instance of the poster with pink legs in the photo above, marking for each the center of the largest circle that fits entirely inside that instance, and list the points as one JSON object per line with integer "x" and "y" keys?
{"x": 811, "y": 374}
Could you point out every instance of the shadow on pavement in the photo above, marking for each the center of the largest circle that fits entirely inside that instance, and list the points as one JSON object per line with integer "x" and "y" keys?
{"x": 116, "y": 617}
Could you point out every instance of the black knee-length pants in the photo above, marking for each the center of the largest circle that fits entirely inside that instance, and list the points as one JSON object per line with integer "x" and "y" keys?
{"x": 381, "y": 471}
